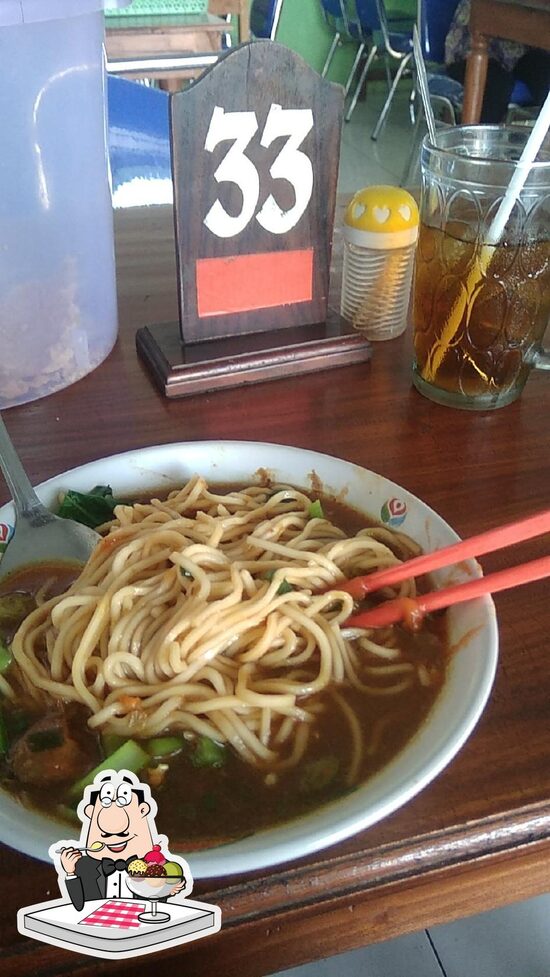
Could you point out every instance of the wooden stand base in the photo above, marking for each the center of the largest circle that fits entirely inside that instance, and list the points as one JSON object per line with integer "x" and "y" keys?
{"x": 180, "y": 370}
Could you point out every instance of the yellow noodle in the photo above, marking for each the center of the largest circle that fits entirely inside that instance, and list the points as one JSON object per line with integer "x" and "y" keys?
{"x": 206, "y": 613}
{"x": 356, "y": 737}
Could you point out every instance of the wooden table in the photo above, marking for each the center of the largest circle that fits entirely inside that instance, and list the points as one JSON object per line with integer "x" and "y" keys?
{"x": 527, "y": 21}
{"x": 163, "y": 36}
{"x": 476, "y": 838}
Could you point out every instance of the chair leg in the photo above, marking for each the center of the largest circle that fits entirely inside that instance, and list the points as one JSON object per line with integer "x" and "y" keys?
{"x": 330, "y": 55}
{"x": 444, "y": 103}
{"x": 412, "y": 102}
{"x": 363, "y": 75}
{"x": 356, "y": 61}
{"x": 387, "y": 103}
{"x": 388, "y": 69}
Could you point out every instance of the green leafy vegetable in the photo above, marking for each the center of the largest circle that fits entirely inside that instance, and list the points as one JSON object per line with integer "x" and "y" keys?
{"x": 318, "y": 774}
{"x": 208, "y": 753}
{"x": 316, "y": 510}
{"x": 129, "y": 756}
{"x": 44, "y": 739}
{"x": 284, "y": 588}
{"x": 15, "y": 607}
{"x": 90, "y": 508}
{"x": 5, "y": 657}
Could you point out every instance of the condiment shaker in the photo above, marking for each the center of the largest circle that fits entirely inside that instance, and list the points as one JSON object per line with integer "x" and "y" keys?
{"x": 380, "y": 233}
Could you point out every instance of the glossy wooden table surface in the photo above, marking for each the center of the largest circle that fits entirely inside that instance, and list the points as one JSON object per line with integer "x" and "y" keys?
{"x": 527, "y": 21}
{"x": 476, "y": 838}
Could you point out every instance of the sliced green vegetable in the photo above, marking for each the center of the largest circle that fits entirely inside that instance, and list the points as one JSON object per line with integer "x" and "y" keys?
{"x": 208, "y": 753}
{"x": 161, "y": 746}
{"x": 89, "y": 508}
{"x": 5, "y": 657}
{"x": 111, "y": 742}
{"x": 318, "y": 774}
{"x": 3, "y": 735}
{"x": 14, "y": 607}
{"x": 45, "y": 739}
{"x": 129, "y": 756}
{"x": 316, "y": 510}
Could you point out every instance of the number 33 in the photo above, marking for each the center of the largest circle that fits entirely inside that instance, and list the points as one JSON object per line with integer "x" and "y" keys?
{"x": 290, "y": 164}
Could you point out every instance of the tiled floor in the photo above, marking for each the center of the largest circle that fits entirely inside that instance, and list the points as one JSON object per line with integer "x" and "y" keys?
{"x": 510, "y": 942}
{"x": 363, "y": 161}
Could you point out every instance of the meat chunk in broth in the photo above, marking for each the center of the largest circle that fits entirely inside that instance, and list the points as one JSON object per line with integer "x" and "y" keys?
{"x": 47, "y": 753}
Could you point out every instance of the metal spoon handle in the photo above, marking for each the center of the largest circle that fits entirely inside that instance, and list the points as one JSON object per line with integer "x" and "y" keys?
{"x": 27, "y": 504}
{"x": 58, "y": 851}
{"x": 423, "y": 85}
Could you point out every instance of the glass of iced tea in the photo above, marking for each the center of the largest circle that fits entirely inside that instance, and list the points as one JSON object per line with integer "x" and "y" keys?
{"x": 480, "y": 311}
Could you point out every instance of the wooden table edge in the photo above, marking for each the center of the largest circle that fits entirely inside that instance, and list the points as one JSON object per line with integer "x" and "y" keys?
{"x": 353, "y": 919}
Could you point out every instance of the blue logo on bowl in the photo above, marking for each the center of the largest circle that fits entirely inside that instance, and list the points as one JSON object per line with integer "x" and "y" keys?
{"x": 394, "y": 512}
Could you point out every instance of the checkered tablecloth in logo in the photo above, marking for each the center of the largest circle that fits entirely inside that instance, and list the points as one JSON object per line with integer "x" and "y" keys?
{"x": 121, "y": 914}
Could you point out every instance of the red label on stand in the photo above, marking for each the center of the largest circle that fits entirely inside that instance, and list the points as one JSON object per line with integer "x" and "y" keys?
{"x": 241, "y": 283}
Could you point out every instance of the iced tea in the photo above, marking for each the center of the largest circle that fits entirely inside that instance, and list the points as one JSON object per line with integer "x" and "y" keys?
{"x": 486, "y": 359}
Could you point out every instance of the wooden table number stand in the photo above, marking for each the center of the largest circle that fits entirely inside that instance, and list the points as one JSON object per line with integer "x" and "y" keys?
{"x": 255, "y": 149}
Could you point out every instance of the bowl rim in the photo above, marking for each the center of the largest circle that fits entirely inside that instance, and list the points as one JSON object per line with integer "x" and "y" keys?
{"x": 414, "y": 767}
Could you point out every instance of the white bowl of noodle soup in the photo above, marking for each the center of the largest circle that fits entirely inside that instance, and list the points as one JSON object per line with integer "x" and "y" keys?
{"x": 472, "y": 633}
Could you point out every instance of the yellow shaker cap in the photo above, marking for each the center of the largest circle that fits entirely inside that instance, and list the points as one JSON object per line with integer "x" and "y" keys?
{"x": 381, "y": 217}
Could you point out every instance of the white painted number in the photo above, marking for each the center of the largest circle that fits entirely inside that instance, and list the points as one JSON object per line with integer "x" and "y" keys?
{"x": 235, "y": 167}
{"x": 291, "y": 164}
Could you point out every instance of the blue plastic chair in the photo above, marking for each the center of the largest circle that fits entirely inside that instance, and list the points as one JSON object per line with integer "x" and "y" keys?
{"x": 264, "y": 18}
{"x": 371, "y": 19}
{"x": 522, "y": 104}
{"x": 435, "y": 18}
{"x": 446, "y": 94}
{"x": 345, "y": 31}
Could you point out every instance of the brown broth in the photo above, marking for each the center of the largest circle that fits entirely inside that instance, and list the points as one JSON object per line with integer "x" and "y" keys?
{"x": 58, "y": 575}
{"x": 206, "y": 806}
